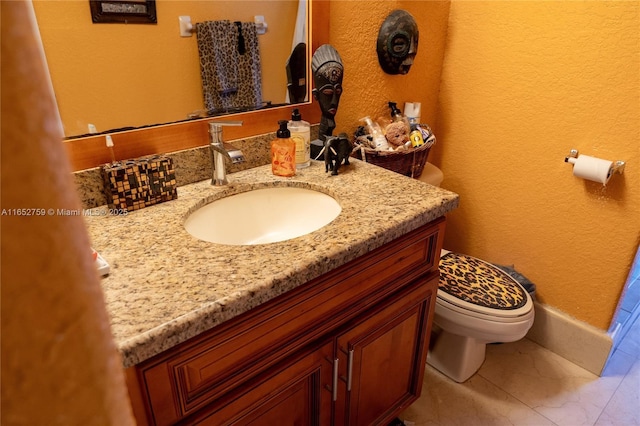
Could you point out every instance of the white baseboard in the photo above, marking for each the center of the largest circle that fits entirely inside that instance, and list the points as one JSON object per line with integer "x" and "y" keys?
{"x": 579, "y": 342}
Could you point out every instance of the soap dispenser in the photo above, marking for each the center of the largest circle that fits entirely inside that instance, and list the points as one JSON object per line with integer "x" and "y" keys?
{"x": 301, "y": 135}
{"x": 375, "y": 131}
{"x": 396, "y": 115}
{"x": 283, "y": 152}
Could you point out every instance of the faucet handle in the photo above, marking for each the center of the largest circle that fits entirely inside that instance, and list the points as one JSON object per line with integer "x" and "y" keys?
{"x": 218, "y": 124}
{"x": 215, "y": 128}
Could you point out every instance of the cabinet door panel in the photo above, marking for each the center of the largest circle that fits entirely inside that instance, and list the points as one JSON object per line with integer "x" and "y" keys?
{"x": 297, "y": 393}
{"x": 384, "y": 358}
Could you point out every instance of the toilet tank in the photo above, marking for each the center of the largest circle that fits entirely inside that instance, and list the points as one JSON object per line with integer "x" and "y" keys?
{"x": 431, "y": 175}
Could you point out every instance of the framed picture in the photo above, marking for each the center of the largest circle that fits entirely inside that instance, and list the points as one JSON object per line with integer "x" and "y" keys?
{"x": 123, "y": 11}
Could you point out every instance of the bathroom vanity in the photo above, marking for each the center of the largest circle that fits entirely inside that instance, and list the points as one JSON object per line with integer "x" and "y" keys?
{"x": 328, "y": 328}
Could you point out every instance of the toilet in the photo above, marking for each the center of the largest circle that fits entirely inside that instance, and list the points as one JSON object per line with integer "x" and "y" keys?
{"x": 476, "y": 304}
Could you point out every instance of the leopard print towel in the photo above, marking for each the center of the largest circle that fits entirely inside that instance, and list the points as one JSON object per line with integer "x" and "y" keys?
{"x": 229, "y": 65}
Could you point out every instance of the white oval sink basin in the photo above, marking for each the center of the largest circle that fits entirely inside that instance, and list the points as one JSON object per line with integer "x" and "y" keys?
{"x": 262, "y": 216}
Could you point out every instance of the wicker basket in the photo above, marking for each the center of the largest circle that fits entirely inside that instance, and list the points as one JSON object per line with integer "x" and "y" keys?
{"x": 409, "y": 163}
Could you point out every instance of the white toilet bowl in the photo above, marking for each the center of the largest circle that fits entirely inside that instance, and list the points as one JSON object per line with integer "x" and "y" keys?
{"x": 476, "y": 304}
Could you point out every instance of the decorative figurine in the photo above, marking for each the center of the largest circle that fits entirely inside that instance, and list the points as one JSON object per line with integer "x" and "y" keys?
{"x": 328, "y": 71}
{"x": 397, "y": 134}
{"x": 397, "y": 42}
{"x": 336, "y": 150}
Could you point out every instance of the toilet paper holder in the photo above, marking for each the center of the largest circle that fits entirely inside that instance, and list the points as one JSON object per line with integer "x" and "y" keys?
{"x": 616, "y": 166}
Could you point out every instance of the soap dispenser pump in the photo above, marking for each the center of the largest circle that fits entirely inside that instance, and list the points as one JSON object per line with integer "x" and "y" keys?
{"x": 283, "y": 152}
{"x": 396, "y": 115}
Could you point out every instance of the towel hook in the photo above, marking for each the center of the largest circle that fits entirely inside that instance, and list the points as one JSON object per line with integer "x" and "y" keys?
{"x": 186, "y": 27}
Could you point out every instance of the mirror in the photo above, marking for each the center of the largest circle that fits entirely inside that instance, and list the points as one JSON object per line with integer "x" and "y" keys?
{"x": 116, "y": 75}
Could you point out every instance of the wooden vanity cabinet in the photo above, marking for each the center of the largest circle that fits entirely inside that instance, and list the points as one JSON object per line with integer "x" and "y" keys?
{"x": 347, "y": 348}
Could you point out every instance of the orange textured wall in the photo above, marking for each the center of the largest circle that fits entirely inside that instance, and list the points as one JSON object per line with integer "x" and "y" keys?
{"x": 155, "y": 71}
{"x": 367, "y": 89}
{"x": 522, "y": 84}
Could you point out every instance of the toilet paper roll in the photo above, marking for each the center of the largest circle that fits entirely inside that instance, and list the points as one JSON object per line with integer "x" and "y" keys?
{"x": 592, "y": 168}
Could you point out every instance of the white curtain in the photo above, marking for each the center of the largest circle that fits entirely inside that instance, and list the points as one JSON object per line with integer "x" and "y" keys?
{"x": 300, "y": 32}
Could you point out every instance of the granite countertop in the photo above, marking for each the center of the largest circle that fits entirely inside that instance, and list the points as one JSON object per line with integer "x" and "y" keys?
{"x": 166, "y": 286}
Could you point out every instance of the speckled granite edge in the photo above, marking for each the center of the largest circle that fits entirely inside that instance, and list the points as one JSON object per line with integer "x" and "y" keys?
{"x": 166, "y": 286}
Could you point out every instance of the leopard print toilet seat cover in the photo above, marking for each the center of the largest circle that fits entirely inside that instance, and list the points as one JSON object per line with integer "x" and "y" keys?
{"x": 479, "y": 283}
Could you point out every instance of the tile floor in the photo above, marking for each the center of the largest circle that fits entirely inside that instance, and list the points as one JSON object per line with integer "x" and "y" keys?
{"x": 522, "y": 383}
{"x": 629, "y": 306}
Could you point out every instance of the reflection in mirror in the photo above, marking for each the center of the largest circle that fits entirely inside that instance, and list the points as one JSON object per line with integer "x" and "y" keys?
{"x": 297, "y": 73}
{"x": 128, "y": 76}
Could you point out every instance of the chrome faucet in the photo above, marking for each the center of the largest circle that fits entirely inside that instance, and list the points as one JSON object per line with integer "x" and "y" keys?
{"x": 220, "y": 150}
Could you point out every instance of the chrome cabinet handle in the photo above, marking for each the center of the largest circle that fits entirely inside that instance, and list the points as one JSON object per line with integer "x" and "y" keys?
{"x": 335, "y": 379}
{"x": 349, "y": 370}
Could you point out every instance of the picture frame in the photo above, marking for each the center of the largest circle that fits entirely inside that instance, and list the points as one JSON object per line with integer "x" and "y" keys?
{"x": 123, "y": 11}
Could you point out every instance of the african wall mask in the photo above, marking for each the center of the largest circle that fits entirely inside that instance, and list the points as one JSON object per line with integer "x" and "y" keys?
{"x": 397, "y": 42}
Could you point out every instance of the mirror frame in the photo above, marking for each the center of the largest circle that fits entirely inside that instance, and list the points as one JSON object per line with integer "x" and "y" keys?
{"x": 89, "y": 152}
{"x": 99, "y": 15}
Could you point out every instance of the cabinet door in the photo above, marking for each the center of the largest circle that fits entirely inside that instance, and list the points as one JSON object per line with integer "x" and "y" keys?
{"x": 383, "y": 358}
{"x": 296, "y": 393}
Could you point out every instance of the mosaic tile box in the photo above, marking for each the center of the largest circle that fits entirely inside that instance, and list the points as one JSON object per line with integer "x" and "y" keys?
{"x": 136, "y": 184}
